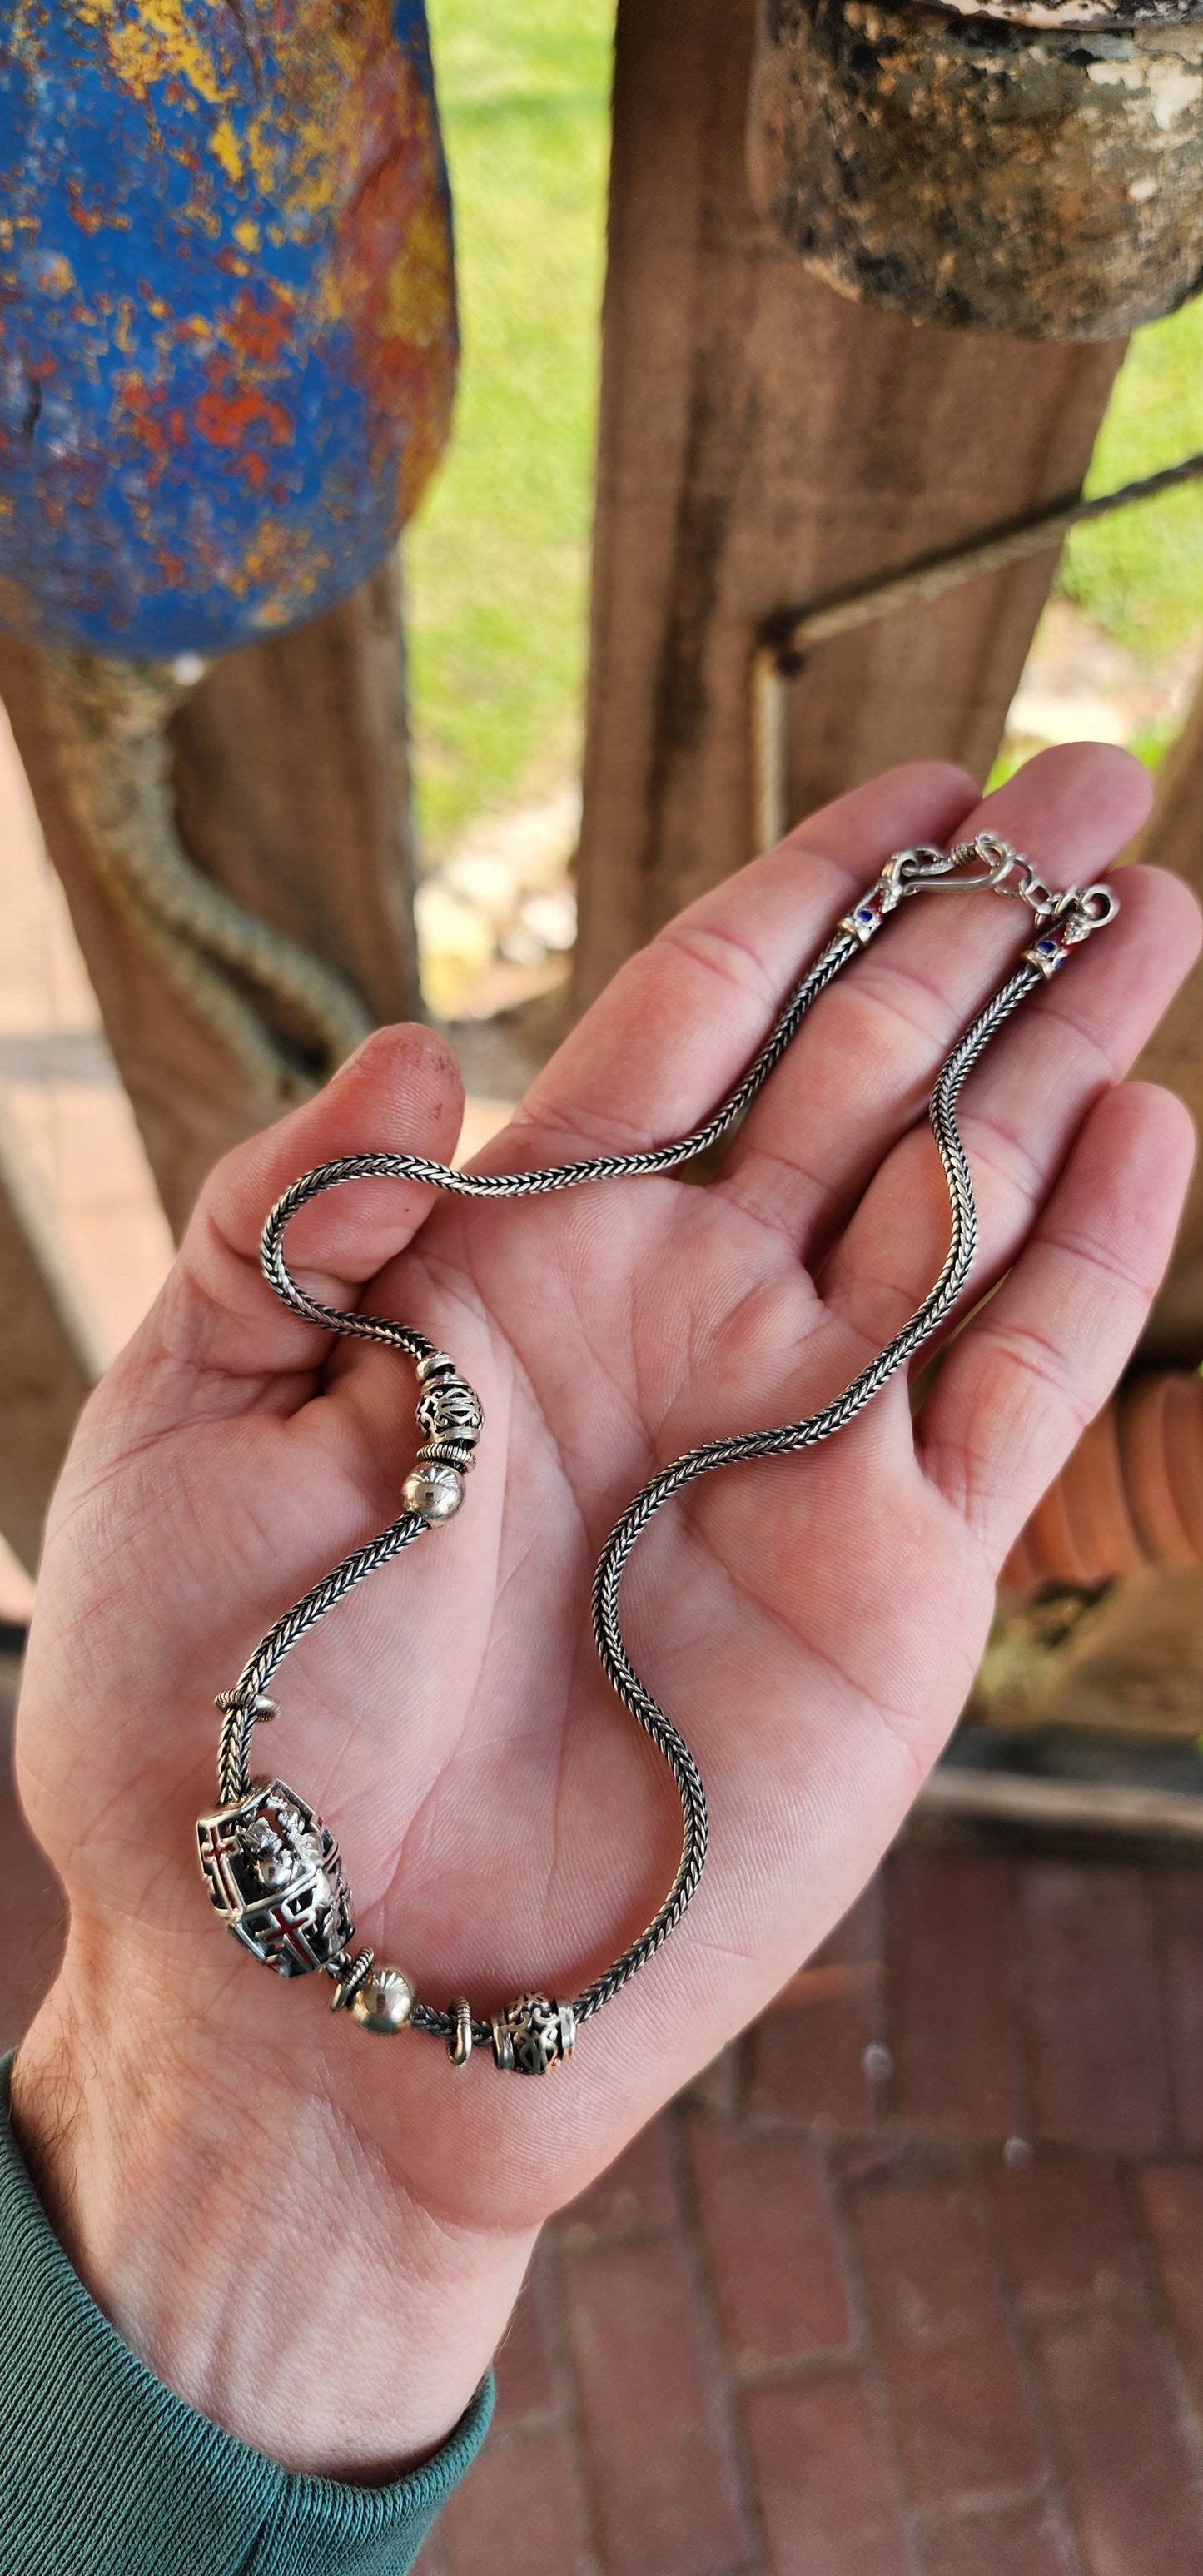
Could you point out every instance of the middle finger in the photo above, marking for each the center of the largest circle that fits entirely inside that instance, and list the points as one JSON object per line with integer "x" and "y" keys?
{"x": 860, "y": 1068}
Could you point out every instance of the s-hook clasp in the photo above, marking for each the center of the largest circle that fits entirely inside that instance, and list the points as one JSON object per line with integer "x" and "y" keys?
{"x": 1064, "y": 920}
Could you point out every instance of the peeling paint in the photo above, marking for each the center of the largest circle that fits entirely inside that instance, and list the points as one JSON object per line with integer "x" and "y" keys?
{"x": 227, "y": 324}
{"x": 955, "y": 169}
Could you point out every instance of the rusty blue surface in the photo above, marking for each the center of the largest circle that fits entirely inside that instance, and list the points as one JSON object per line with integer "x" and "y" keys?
{"x": 227, "y": 321}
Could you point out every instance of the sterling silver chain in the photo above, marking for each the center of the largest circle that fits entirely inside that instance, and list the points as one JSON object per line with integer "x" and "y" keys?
{"x": 272, "y": 1868}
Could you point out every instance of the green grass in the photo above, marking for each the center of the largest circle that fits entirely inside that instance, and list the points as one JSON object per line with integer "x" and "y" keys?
{"x": 497, "y": 559}
{"x": 1140, "y": 575}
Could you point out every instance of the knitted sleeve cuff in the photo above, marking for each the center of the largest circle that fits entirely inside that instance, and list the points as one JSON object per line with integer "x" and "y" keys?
{"x": 102, "y": 2469}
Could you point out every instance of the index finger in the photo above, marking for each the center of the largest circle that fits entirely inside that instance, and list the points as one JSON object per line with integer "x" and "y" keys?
{"x": 678, "y": 1023}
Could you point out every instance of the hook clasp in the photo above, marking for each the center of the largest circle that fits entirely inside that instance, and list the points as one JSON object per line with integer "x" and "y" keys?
{"x": 998, "y": 867}
{"x": 990, "y": 863}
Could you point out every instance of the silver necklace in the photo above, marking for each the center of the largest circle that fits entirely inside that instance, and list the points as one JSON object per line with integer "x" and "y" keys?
{"x": 272, "y": 1867}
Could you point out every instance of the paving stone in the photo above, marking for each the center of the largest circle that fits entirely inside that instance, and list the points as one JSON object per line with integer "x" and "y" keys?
{"x": 807, "y": 2061}
{"x": 1065, "y": 2230}
{"x": 527, "y": 2390}
{"x": 660, "y": 2462}
{"x": 954, "y": 2028}
{"x": 32, "y": 1923}
{"x": 860, "y": 1936}
{"x": 1177, "y": 1897}
{"x": 693, "y": 2384}
{"x": 1130, "y": 2475}
{"x": 769, "y": 2232}
{"x": 1099, "y": 2074}
{"x": 1019, "y": 2540}
{"x": 1172, "y": 2197}
{"x": 825, "y": 2482}
{"x": 952, "y": 2374}
{"x": 720, "y": 2085}
{"x": 637, "y": 2192}
{"x": 520, "y": 2513}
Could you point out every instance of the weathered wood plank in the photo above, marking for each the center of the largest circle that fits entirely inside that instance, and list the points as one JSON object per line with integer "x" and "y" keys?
{"x": 44, "y": 1374}
{"x": 291, "y": 789}
{"x": 1174, "y": 839}
{"x": 764, "y": 443}
{"x": 291, "y": 772}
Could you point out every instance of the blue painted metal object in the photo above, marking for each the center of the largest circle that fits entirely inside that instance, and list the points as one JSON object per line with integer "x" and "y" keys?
{"x": 227, "y": 317}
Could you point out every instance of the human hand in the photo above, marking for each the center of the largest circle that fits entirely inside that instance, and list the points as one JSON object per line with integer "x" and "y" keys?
{"x": 313, "y": 2234}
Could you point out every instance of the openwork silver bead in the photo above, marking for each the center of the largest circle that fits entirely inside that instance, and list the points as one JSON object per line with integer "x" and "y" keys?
{"x": 449, "y": 1413}
{"x": 448, "y": 1409}
{"x": 532, "y": 2034}
{"x": 275, "y": 1878}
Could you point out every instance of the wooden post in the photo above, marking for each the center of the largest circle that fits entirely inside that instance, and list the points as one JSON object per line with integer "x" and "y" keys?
{"x": 763, "y": 444}
{"x": 291, "y": 792}
{"x": 1174, "y": 839}
{"x": 45, "y": 1374}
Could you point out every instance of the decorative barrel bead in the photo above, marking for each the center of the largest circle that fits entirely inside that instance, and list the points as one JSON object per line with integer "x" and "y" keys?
{"x": 533, "y": 2034}
{"x": 274, "y": 1876}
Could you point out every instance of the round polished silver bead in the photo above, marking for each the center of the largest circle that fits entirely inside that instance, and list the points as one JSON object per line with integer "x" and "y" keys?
{"x": 435, "y": 1493}
{"x": 384, "y": 2001}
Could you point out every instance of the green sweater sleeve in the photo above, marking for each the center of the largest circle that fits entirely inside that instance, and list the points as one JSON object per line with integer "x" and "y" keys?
{"x": 104, "y": 2473}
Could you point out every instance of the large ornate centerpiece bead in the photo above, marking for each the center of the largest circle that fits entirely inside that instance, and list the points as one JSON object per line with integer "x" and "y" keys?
{"x": 449, "y": 1413}
{"x": 275, "y": 1878}
{"x": 533, "y": 2034}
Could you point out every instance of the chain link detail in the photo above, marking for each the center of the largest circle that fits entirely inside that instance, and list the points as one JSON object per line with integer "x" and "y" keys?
{"x": 450, "y": 1414}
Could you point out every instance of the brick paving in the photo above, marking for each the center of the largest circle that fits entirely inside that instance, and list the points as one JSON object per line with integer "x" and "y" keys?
{"x": 937, "y": 2316}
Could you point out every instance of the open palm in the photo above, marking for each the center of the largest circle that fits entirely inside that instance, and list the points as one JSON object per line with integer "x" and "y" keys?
{"x": 812, "y": 1624}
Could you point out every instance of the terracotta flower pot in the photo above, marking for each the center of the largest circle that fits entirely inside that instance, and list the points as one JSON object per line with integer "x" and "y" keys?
{"x": 1130, "y": 1497}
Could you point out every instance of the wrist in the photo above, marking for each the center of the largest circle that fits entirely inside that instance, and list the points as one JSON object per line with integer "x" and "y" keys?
{"x": 249, "y": 2243}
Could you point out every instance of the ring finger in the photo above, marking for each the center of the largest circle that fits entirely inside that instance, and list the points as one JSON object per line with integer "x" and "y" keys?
{"x": 860, "y": 1068}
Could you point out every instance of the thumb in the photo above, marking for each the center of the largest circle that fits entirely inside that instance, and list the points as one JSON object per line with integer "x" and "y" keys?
{"x": 216, "y": 1320}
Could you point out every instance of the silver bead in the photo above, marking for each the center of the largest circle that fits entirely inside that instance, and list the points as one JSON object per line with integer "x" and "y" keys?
{"x": 435, "y": 1493}
{"x": 274, "y": 1876}
{"x": 532, "y": 2034}
{"x": 435, "y": 1364}
{"x": 348, "y": 1974}
{"x": 459, "y": 2040}
{"x": 384, "y": 2001}
{"x": 450, "y": 1411}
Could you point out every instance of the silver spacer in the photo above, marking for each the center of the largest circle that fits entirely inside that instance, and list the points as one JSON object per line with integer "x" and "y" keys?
{"x": 459, "y": 2038}
{"x": 350, "y": 1974}
{"x": 435, "y": 1364}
